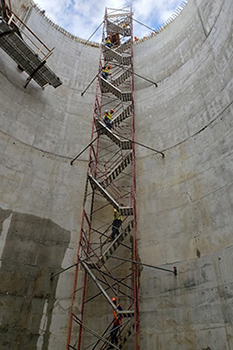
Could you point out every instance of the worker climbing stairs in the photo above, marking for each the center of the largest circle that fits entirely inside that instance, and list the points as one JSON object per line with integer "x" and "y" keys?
{"x": 106, "y": 273}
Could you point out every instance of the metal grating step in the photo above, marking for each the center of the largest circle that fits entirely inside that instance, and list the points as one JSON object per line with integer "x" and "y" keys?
{"x": 125, "y": 211}
{"x": 126, "y": 313}
{"x": 23, "y": 55}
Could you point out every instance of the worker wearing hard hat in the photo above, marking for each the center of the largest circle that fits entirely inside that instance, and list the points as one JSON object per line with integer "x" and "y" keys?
{"x": 105, "y": 71}
{"x": 117, "y": 321}
{"x": 108, "y": 42}
{"x": 108, "y": 117}
{"x": 117, "y": 221}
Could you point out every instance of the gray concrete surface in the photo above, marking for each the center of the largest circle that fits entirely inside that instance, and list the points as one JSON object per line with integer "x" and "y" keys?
{"x": 184, "y": 200}
{"x": 41, "y": 194}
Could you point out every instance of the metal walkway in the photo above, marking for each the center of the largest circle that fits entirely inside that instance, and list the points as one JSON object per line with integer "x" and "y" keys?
{"x": 12, "y": 42}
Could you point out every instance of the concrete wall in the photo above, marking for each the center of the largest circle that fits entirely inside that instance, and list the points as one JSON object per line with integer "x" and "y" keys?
{"x": 185, "y": 199}
{"x": 41, "y": 194}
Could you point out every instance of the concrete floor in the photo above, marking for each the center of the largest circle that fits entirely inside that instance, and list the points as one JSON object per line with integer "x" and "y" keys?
{"x": 184, "y": 200}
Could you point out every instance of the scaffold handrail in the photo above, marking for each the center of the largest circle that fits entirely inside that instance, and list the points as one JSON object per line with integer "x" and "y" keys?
{"x": 11, "y": 16}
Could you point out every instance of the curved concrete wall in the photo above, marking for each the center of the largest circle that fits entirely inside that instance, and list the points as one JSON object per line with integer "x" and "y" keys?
{"x": 41, "y": 194}
{"x": 184, "y": 200}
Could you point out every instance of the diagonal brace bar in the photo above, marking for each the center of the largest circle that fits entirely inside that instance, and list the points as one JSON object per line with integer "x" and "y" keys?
{"x": 33, "y": 73}
{"x": 174, "y": 271}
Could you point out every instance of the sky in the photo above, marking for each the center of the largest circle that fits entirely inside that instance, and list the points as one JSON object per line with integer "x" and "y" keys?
{"x": 82, "y": 17}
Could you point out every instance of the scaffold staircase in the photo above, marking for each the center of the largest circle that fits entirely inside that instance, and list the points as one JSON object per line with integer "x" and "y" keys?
{"x": 112, "y": 175}
{"x": 113, "y": 54}
{"x": 124, "y": 47}
{"x": 123, "y": 210}
{"x": 100, "y": 274}
{"x": 106, "y": 86}
{"x": 122, "y": 116}
{"x": 123, "y": 144}
{"x": 102, "y": 259}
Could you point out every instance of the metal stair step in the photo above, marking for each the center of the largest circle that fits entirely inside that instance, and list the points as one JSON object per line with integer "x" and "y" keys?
{"x": 106, "y": 86}
{"x": 122, "y": 116}
{"x": 126, "y": 96}
{"x": 95, "y": 184}
{"x": 122, "y": 48}
{"x": 115, "y": 244}
{"x": 126, "y": 313}
{"x": 112, "y": 28}
{"x": 125, "y": 75}
{"x": 125, "y": 211}
{"x": 111, "y": 54}
{"x": 126, "y": 335}
{"x": 123, "y": 144}
{"x": 117, "y": 170}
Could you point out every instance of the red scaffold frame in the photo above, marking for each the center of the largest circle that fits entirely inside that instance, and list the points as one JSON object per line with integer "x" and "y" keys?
{"x": 110, "y": 185}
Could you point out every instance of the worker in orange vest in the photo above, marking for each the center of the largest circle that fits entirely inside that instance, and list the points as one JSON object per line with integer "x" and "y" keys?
{"x": 117, "y": 322}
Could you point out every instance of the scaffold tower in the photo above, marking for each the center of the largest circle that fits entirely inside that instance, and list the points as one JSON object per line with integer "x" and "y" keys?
{"x": 107, "y": 251}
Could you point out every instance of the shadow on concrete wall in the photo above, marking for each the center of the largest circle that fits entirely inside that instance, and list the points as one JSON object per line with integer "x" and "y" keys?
{"x": 31, "y": 248}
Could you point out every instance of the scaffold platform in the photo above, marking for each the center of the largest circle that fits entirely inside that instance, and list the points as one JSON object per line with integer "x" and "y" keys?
{"x": 13, "y": 43}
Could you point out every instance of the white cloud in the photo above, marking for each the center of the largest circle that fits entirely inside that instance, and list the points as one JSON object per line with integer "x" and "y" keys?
{"x": 154, "y": 12}
{"x": 82, "y": 17}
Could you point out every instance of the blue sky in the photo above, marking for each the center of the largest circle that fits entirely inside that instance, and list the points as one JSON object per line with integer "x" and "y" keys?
{"x": 82, "y": 17}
